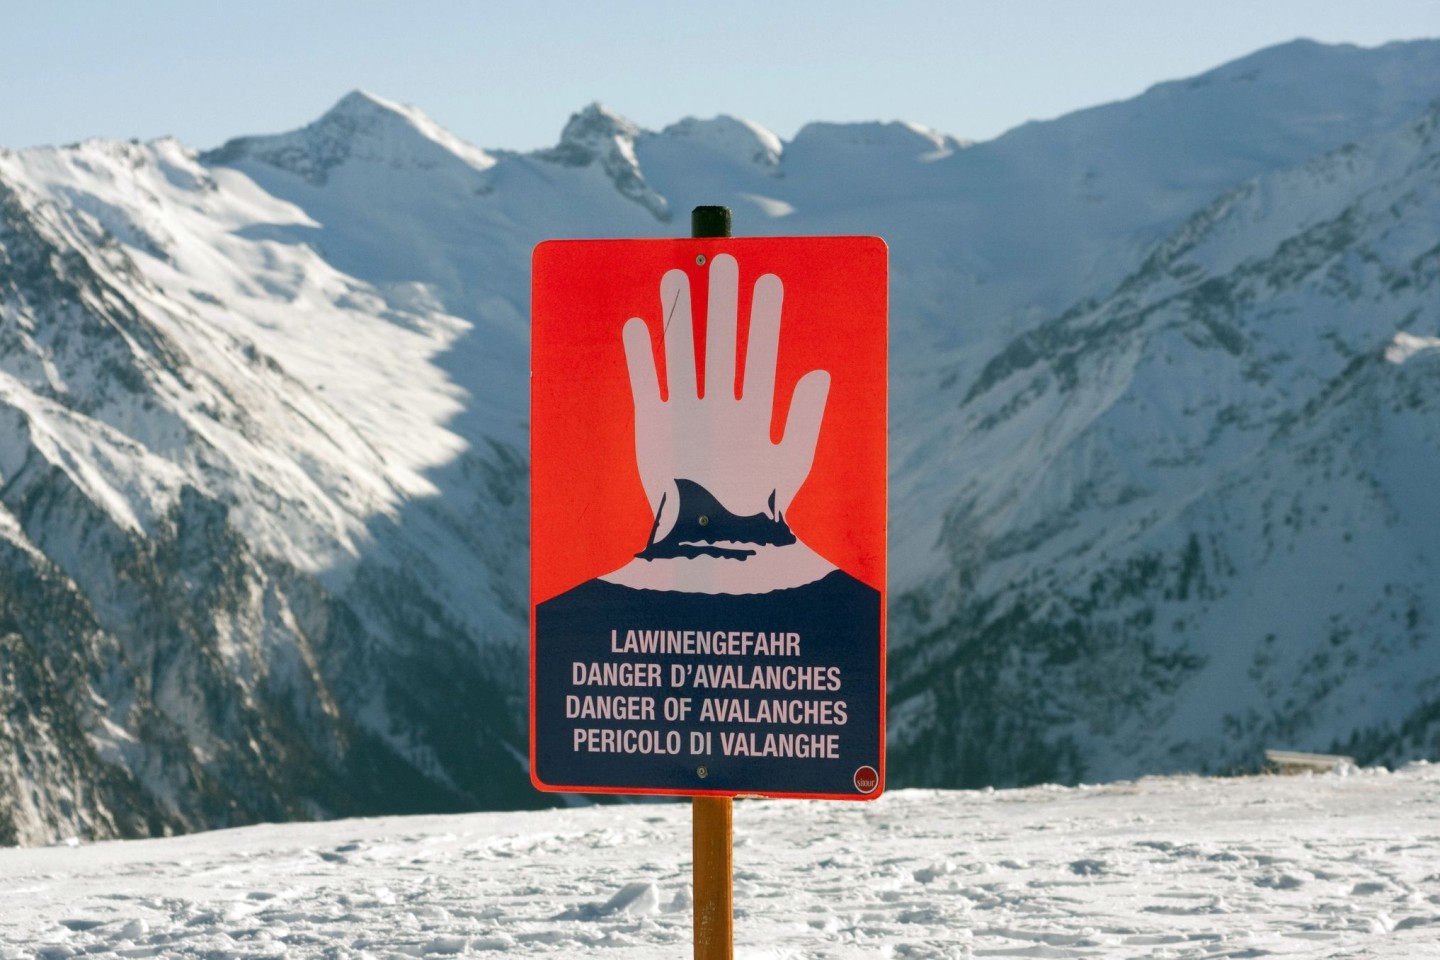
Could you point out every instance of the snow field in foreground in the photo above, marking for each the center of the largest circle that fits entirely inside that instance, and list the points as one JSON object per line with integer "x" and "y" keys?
{"x": 1340, "y": 865}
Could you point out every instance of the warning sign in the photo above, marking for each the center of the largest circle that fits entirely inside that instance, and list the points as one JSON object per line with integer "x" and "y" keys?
{"x": 708, "y": 516}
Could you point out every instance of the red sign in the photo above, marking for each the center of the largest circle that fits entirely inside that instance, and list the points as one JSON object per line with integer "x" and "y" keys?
{"x": 708, "y": 516}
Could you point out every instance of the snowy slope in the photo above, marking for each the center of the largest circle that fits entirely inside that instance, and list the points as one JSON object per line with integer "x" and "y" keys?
{"x": 229, "y": 521}
{"x": 1340, "y": 865}
{"x": 263, "y": 434}
{"x": 1196, "y": 515}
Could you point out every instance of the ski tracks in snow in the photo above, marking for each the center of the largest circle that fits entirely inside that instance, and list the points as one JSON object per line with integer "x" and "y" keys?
{"x": 1329, "y": 866}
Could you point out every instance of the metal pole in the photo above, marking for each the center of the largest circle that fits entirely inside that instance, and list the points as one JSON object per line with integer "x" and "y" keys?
{"x": 712, "y": 843}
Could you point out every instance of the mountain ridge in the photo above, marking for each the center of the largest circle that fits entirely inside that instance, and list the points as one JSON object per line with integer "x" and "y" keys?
{"x": 360, "y": 125}
{"x": 263, "y": 438}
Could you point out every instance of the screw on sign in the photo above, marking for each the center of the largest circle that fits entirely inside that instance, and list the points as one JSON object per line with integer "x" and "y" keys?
{"x": 708, "y": 516}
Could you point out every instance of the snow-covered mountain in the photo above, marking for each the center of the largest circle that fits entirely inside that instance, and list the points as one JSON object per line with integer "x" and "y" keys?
{"x": 1166, "y": 385}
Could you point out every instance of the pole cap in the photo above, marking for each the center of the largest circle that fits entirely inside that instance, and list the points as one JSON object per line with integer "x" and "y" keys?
{"x": 710, "y": 222}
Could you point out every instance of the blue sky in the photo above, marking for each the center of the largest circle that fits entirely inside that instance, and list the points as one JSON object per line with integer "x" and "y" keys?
{"x": 508, "y": 75}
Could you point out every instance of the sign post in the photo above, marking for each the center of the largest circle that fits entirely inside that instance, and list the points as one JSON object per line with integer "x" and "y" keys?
{"x": 708, "y": 526}
{"x": 712, "y": 819}
{"x": 712, "y": 848}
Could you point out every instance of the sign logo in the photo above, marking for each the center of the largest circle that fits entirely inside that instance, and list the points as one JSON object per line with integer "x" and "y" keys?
{"x": 708, "y": 515}
{"x": 866, "y": 779}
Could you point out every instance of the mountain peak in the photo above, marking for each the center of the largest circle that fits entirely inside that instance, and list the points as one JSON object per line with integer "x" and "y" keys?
{"x": 359, "y": 127}
{"x": 894, "y": 137}
{"x": 597, "y": 134}
{"x": 735, "y": 137}
{"x": 596, "y": 123}
{"x": 358, "y": 101}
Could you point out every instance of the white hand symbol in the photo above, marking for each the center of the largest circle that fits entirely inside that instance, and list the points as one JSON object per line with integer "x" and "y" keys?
{"x": 720, "y": 441}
